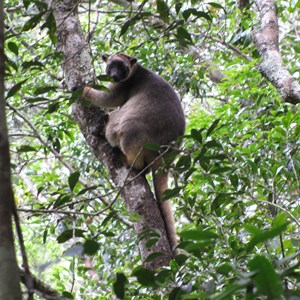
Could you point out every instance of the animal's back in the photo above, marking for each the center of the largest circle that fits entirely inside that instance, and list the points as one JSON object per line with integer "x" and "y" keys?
{"x": 152, "y": 100}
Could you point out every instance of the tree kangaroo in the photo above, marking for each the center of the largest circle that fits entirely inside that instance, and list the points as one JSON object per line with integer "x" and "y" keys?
{"x": 150, "y": 112}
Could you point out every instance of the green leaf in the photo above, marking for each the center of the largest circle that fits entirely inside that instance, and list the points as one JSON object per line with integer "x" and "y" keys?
{"x": 37, "y": 99}
{"x": 267, "y": 281}
{"x": 90, "y": 188}
{"x": 119, "y": 285}
{"x": 38, "y": 3}
{"x": 152, "y": 256}
{"x": 184, "y": 162}
{"x": 170, "y": 193}
{"x": 15, "y": 88}
{"x": 224, "y": 268}
{"x": 196, "y": 135}
{"x": 216, "y": 5}
{"x": 44, "y": 89}
{"x": 73, "y": 179}
{"x": 151, "y": 242}
{"x": 221, "y": 199}
{"x": 91, "y": 247}
{"x": 178, "y": 6}
{"x": 67, "y": 295}
{"x": 45, "y": 235}
{"x": 32, "y": 65}
{"x": 26, "y": 148}
{"x": 62, "y": 199}
{"x": 50, "y": 24}
{"x": 198, "y": 235}
{"x": 252, "y": 229}
{"x": 280, "y": 219}
{"x": 109, "y": 217}
{"x": 53, "y": 107}
{"x": 146, "y": 234}
{"x": 32, "y": 22}
{"x": 163, "y": 9}
{"x": 144, "y": 276}
{"x": 199, "y": 14}
{"x": 212, "y": 127}
{"x": 212, "y": 144}
{"x": 183, "y": 36}
{"x": 266, "y": 235}
{"x": 125, "y": 27}
{"x": 68, "y": 234}
{"x": 13, "y": 48}
{"x": 163, "y": 276}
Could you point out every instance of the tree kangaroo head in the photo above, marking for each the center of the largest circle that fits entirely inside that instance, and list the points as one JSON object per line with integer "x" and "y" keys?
{"x": 119, "y": 66}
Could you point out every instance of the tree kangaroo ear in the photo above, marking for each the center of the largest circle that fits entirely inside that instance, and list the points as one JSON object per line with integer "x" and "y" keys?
{"x": 105, "y": 57}
{"x": 132, "y": 60}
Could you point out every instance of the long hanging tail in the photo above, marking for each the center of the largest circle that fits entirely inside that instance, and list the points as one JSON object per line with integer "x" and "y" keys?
{"x": 160, "y": 181}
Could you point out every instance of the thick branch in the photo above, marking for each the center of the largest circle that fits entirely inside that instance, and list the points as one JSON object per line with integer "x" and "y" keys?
{"x": 271, "y": 66}
{"x": 137, "y": 194}
{"x": 41, "y": 289}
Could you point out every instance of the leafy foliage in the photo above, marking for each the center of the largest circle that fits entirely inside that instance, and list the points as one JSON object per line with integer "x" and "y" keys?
{"x": 236, "y": 188}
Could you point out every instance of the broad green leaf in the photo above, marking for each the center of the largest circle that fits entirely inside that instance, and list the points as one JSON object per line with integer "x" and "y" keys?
{"x": 144, "y": 276}
{"x": 62, "y": 199}
{"x": 90, "y": 247}
{"x": 280, "y": 219}
{"x": 44, "y": 89}
{"x": 184, "y": 162}
{"x": 266, "y": 235}
{"x": 183, "y": 36}
{"x": 267, "y": 281}
{"x": 196, "y": 135}
{"x": 152, "y": 256}
{"x": 192, "y": 11}
{"x": 125, "y": 27}
{"x": 212, "y": 127}
{"x": 163, "y": 9}
{"x": 32, "y": 22}
{"x": 67, "y": 295}
{"x": 119, "y": 285}
{"x": 170, "y": 193}
{"x": 26, "y": 148}
{"x": 151, "y": 242}
{"x": 15, "y": 88}
{"x": 198, "y": 235}
{"x": 13, "y": 48}
{"x": 224, "y": 268}
{"x": 32, "y": 65}
{"x": 68, "y": 234}
{"x": 163, "y": 276}
{"x": 216, "y": 5}
{"x": 73, "y": 179}
{"x": 148, "y": 234}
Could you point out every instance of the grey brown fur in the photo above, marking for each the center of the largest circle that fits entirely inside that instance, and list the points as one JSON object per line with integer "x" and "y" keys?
{"x": 150, "y": 112}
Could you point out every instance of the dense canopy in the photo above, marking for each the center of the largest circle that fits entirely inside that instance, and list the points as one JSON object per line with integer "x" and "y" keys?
{"x": 235, "y": 184}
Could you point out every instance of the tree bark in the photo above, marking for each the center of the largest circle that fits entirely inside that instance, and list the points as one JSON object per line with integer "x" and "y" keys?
{"x": 9, "y": 272}
{"x": 134, "y": 189}
{"x": 271, "y": 66}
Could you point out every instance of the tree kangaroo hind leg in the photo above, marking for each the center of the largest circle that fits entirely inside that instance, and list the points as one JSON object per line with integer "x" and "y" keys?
{"x": 133, "y": 150}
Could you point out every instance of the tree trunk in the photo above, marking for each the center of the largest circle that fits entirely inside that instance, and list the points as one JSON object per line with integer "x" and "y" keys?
{"x": 134, "y": 190}
{"x": 9, "y": 272}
